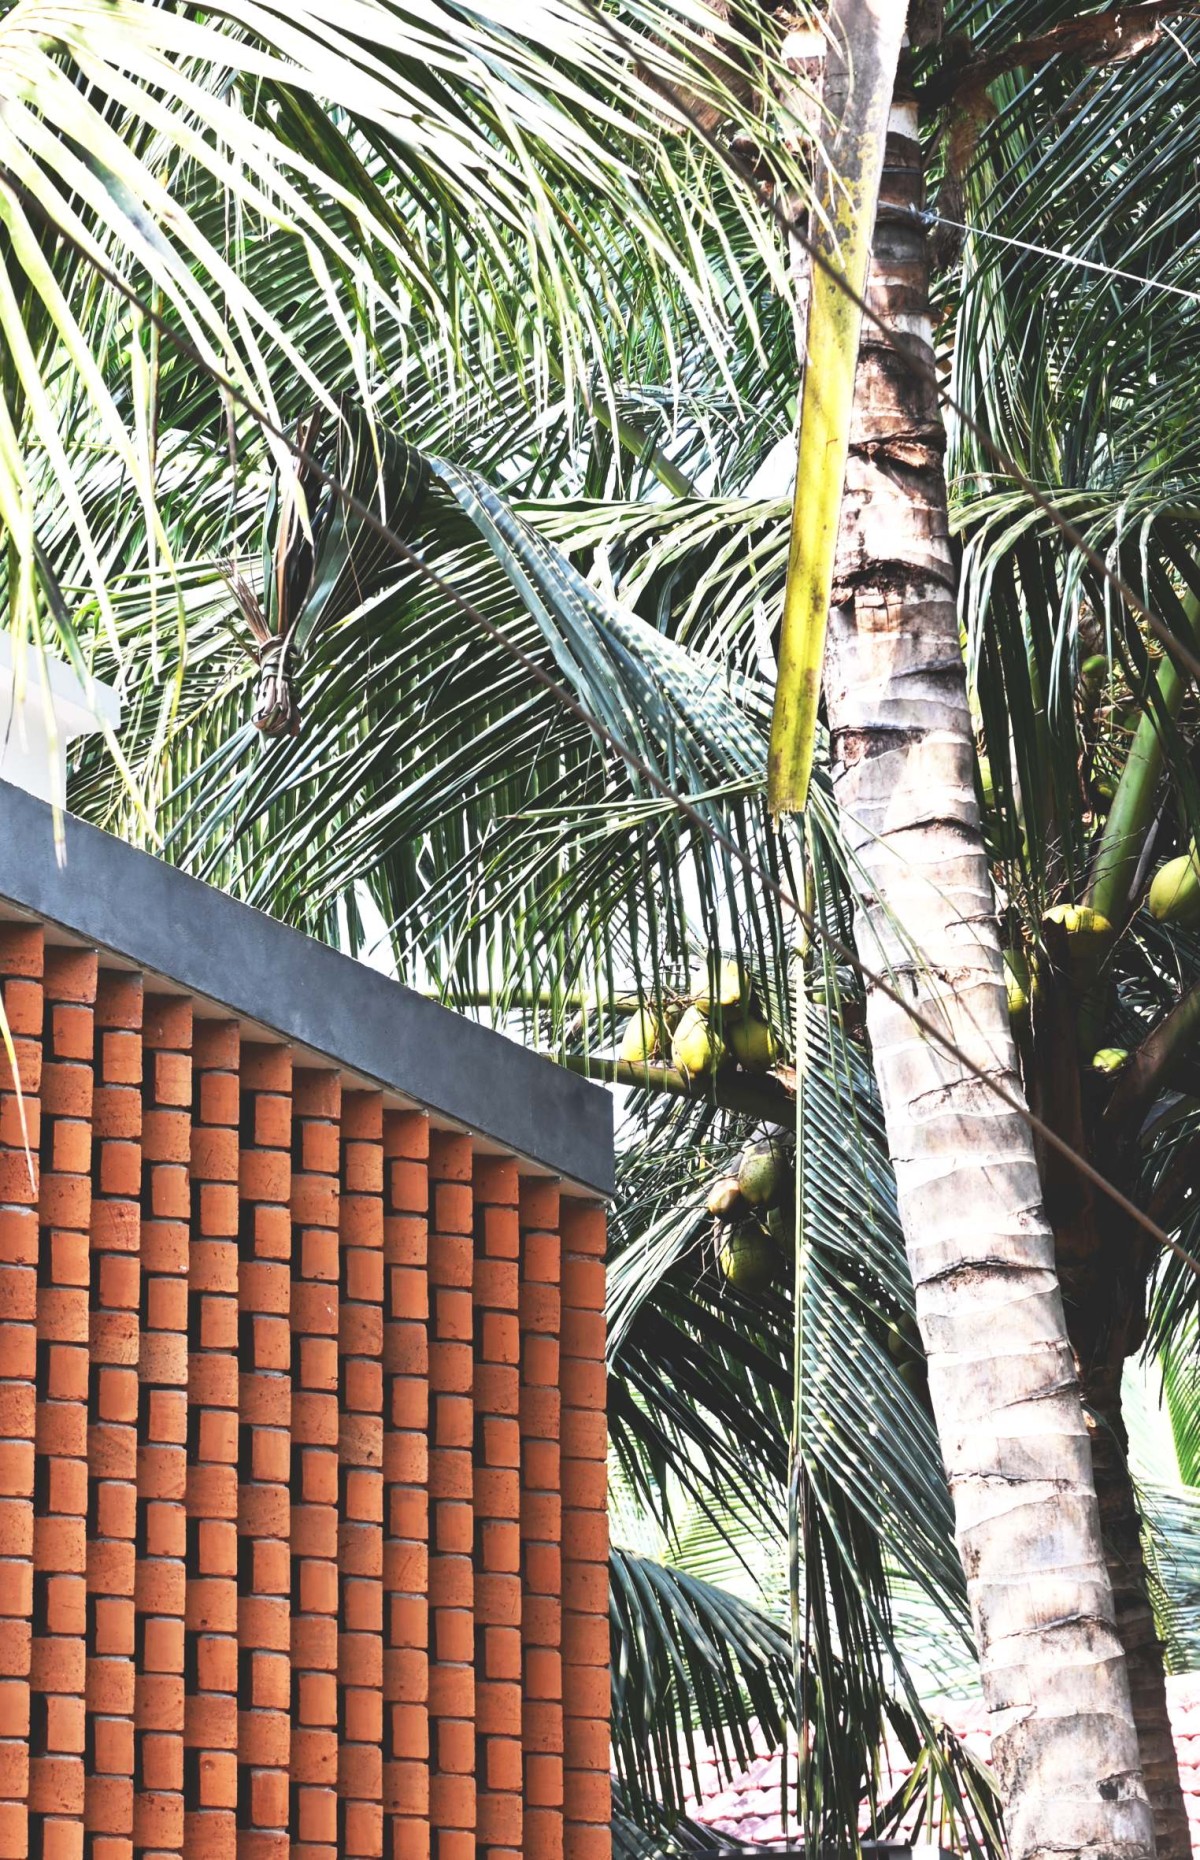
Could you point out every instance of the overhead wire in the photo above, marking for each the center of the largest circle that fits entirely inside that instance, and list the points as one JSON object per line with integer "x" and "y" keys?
{"x": 793, "y": 226}
{"x": 1013, "y": 1101}
{"x": 1065, "y": 258}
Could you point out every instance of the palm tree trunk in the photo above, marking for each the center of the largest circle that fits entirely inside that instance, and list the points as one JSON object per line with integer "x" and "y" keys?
{"x": 1121, "y": 1526}
{"x": 1001, "y": 1370}
{"x": 1104, "y": 1264}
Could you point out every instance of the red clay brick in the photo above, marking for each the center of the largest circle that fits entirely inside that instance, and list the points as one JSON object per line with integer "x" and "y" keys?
{"x": 404, "y": 1496}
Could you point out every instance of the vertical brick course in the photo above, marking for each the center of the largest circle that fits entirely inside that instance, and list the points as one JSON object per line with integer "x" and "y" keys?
{"x": 303, "y": 1551}
{"x": 316, "y": 1156}
{"x": 162, "y": 1537}
{"x": 586, "y": 1794}
{"x": 451, "y": 1499}
{"x": 541, "y": 1518}
{"x": 21, "y": 964}
{"x": 211, "y": 1611}
{"x": 406, "y": 1486}
{"x": 58, "y": 1662}
{"x": 113, "y": 1403}
{"x": 360, "y": 1464}
{"x": 498, "y": 1663}
{"x": 264, "y": 1452}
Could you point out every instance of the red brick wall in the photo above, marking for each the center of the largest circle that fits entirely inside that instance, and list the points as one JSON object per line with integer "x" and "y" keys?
{"x": 302, "y": 1497}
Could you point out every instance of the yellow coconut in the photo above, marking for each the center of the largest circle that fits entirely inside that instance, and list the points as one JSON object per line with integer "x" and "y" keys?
{"x": 730, "y": 993}
{"x": 695, "y": 1048}
{"x": 1017, "y": 982}
{"x": 1110, "y": 1059}
{"x": 1085, "y": 927}
{"x": 753, "y": 1044}
{"x": 644, "y": 1038}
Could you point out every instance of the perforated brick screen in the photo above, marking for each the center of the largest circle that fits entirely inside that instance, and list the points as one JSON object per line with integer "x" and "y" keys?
{"x": 302, "y": 1468}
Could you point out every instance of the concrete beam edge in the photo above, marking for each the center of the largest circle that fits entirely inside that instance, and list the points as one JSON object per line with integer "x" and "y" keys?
{"x": 162, "y": 920}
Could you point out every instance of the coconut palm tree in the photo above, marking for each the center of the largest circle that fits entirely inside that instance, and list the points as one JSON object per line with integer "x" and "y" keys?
{"x": 982, "y": 1245}
{"x": 232, "y": 255}
{"x": 572, "y": 327}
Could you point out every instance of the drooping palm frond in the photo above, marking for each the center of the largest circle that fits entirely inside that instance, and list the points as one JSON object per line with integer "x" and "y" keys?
{"x": 381, "y": 694}
{"x": 700, "y": 1379}
{"x": 679, "y": 1643}
{"x": 1172, "y": 1537}
{"x": 207, "y": 216}
{"x": 1080, "y": 224}
{"x": 661, "y": 1835}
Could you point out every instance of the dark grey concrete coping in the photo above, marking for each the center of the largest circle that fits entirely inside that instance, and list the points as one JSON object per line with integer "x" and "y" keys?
{"x": 115, "y": 898}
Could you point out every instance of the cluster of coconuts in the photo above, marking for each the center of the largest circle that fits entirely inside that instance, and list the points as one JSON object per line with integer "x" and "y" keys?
{"x": 715, "y": 1027}
{"x": 1173, "y": 898}
{"x": 753, "y": 1215}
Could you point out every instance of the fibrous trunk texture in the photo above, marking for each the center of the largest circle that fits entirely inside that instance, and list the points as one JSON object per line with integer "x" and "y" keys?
{"x": 1104, "y": 1263}
{"x": 1121, "y": 1526}
{"x": 1001, "y": 1370}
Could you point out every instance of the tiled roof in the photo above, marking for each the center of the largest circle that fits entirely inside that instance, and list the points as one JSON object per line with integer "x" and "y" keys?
{"x": 749, "y": 1807}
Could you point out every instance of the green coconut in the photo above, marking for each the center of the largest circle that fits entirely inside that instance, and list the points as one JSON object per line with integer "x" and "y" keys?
{"x": 903, "y": 1338}
{"x": 1094, "y": 671}
{"x": 749, "y": 1259}
{"x": 1175, "y": 892}
{"x": 1017, "y": 982}
{"x": 1110, "y": 1059}
{"x": 753, "y": 1044}
{"x": 695, "y": 1048}
{"x": 644, "y": 1038}
{"x": 760, "y": 1175}
{"x": 915, "y": 1377}
{"x": 725, "y": 1198}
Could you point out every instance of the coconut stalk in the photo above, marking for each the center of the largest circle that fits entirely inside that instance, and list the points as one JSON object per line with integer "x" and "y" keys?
{"x": 1002, "y": 1375}
{"x": 1119, "y": 852}
{"x": 763, "y": 1097}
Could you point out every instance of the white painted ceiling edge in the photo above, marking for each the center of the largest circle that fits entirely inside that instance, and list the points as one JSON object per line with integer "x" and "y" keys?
{"x": 55, "y": 708}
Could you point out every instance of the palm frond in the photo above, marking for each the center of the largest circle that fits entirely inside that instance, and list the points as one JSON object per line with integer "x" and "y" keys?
{"x": 680, "y": 1642}
{"x": 155, "y": 158}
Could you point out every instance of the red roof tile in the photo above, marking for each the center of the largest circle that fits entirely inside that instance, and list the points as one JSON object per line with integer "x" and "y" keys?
{"x": 749, "y": 1807}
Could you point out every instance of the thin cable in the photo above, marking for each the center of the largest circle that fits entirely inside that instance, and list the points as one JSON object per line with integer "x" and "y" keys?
{"x": 792, "y": 225}
{"x": 1066, "y": 258}
{"x": 569, "y": 702}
